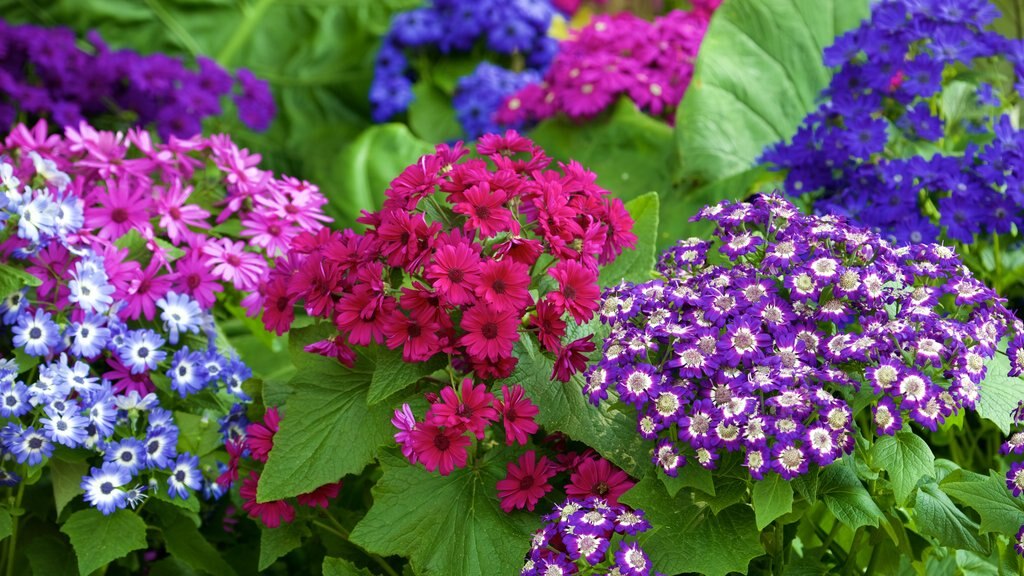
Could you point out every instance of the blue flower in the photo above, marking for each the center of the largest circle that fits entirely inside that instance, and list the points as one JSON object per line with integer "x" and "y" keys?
{"x": 187, "y": 372}
{"x": 36, "y": 333}
{"x": 180, "y": 314}
{"x": 234, "y": 375}
{"x": 13, "y": 399}
{"x": 13, "y": 305}
{"x": 103, "y": 415}
{"x": 161, "y": 447}
{"x": 102, "y": 487}
{"x": 141, "y": 350}
{"x": 31, "y": 446}
{"x": 129, "y": 454}
{"x": 184, "y": 476}
{"x": 37, "y": 217}
{"x": 8, "y": 478}
{"x": 91, "y": 291}
{"x": 67, "y": 427}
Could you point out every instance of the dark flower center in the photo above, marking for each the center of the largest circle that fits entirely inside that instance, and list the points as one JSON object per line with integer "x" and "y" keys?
{"x": 35, "y": 333}
{"x": 441, "y": 442}
{"x": 456, "y": 276}
{"x": 489, "y": 330}
{"x": 119, "y": 215}
{"x": 498, "y": 286}
{"x": 602, "y": 488}
{"x": 126, "y": 456}
{"x": 179, "y": 476}
{"x": 143, "y": 352}
{"x": 153, "y": 447}
{"x": 35, "y": 443}
{"x": 106, "y": 487}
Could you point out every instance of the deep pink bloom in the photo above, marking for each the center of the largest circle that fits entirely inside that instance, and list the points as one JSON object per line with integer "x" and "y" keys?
{"x": 278, "y": 307}
{"x": 486, "y": 211}
{"x": 118, "y": 208}
{"x": 192, "y": 275}
{"x": 572, "y": 359}
{"x": 549, "y": 324}
{"x": 362, "y": 315}
{"x": 489, "y": 333}
{"x": 259, "y": 437}
{"x": 455, "y": 273}
{"x": 176, "y": 217}
{"x": 406, "y": 423}
{"x": 598, "y": 477}
{"x": 144, "y": 288}
{"x": 315, "y": 281}
{"x": 124, "y": 381}
{"x": 417, "y": 335}
{"x": 333, "y": 347}
{"x": 472, "y": 408}
{"x": 270, "y": 513}
{"x": 517, "y": 412}
{"x": 526, "y": 483}
{"x": 321, "y": 497}
{"x": 504, "y": 284}
{"x": 577, "y": 290}
{"x": 442, "y": 449}
{"x": 230, "y": 262}
{"x": 235, "y": 448}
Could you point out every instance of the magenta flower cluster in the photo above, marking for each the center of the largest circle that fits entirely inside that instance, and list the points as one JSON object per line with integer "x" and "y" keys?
{"x": 758, "y": 347}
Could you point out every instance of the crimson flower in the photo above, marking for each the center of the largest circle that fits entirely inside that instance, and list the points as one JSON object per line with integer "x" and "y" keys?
{"x": 270, "y": 513}
{"x": 362, "y": 313}
{"x": 259, "y": 438}
{"x": 417, "y": 334}
{"x": 517, "y": 412}
{"x": 455, "y": 273}
{"x": 442, "y": 449}
{"x": 485, "y": 211}
{"x": 525, "y": 484}
{"x": 549, "y": 324}
{"x": 489, "y": 333}
{"x": 577, "y": 290}
{"x": 471, "y": 409}
{"x": 572, "y": 359}
{"x": 321, "y": 497}
{"x": 504, "y": 284}
{"x": 598, "y": 477}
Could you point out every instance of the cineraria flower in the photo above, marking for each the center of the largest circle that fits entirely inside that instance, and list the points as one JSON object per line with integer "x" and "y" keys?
{"x": 472, "y": 408}
{"x": 1015, "y": 478}
{"x": 184, "y": 476}
{"x": 30, "y": 446}
{"x": 128, "y": 454}
{"x": 321, "y": 497}
{"x": 180, "y": 314}
{"x": 599, "y": 478}
{"x": 259, "y": 437}
{"x": 36, "y": 333}
{"x": 439, "y": 448}
{"x": 141, "y": 351}
{"x": 272, "y": 513}
{"x": 517, "y": 413}
{"x": 103, "y": 488}
{"x": 67, "y": 428}
{"x": 526, "y": 482}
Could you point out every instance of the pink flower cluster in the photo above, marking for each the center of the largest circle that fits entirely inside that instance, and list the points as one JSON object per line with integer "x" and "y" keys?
{"x": 650, "y": 62}
{"x": 456, "y": 259}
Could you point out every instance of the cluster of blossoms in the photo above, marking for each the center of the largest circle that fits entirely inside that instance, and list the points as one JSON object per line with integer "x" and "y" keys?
{"x": 44, "y": 73}
{"x": 760, "y": 352}
{"x": 589, "y": 536}
{"x": 512, "y": 30}
{"x": 113, "y": 239}
{"x": 1014, "y": 445}
{"x": 877, "y": 151}
{"x": 479, "y": 95}
{"x": 621, "y": 54}
{"x": 250, "y": 443}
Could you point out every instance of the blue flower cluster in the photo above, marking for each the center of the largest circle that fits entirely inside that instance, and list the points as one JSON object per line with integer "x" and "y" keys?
{"x": 901, "y": 143}
{"x": 56, "y": 338}
{"x": 515, "y": 28}
{"x": 480, "y": 94}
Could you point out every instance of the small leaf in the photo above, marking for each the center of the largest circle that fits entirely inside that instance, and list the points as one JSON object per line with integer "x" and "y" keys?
{"x": 186, "y": 543}
{"x": 1000, "y": 393}
{"x": 636, "y": 265}
{"x": 13, "y": 279}
{"x": 276, "y": 542}
{"x": 936, "y": 515}
{"x": 846, "y": 497}
{"x": 445, "y": 524}
{"x": 771, "y": 498}
{"x": 391, "y": 374}
{"x": 67, "y": 481}
{"x": 906, "y": 458}
{"x": 99, "y": 539}
{"x": 341, "y": 567}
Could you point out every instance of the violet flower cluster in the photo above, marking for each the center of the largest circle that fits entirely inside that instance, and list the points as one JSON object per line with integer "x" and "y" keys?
{"x": 589, "y": 534}
{"x": 877, "y": 151}
{"x": 1014, "y": 445}
{"x": 113, "y": 265}
{"x": 45, "y": 74}
{"x": 511, "y": 30}
{"x": 479, "y": 95}
{"x": 622, "y": 54}
{"x": 760, "y": 346}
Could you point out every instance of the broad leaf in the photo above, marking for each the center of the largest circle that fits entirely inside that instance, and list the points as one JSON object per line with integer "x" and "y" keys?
{"x": 690, "y": 476}
{"x": 444, "y": 524}
{"x": 759, "y": 72}
{"x": 564, "y": 408}
{"x": 67, "y": 481}
{"x": 1011, "y": 24}
{"x": 341, "y": 567}
{"x": 276, "y": 542}
{"x": 99, "y": 539}
{"x": 936, "y": 515}
{"x": 687, "y": 537}
{"x": 998, "y": 509}
{"x": 636, "y": 265}
{"x": 431, "y": 115}
{"x": 391, "y": 374}
{"x": 13, "y": 279}
{"x": 846, "y": 497}
{"x": 186, "y": 543}
{"x": 771, "y": 498}
{"x": 51, "y": 554}
{"x": 906, "y": 459}
{"x": 1000, "y": 393}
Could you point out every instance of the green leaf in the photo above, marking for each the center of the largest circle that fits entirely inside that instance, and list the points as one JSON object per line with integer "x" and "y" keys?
{"x": 431, "y": 115}
{"x": 690, "y": 476}
{"x": 445, "y": 525}
{"x": 687, "y": 537}
{"x": 771, "y": 498}
{"x": 51, "y": 554}
{"x": 326, "y": 411}
{"x": 1000, "y": 393}
{"x": 906, "y": 459}
{"x": 99, "y": 539}
{"x": 341, "y": 567}
{"x": 13, "y": 279}
{"x": 391, "y": 374}
{"x": 564, "y": 408}
{"x": 276, "y": 542}
{"x": 184, "y": 541}
{"x": 846, "y": 497}
{"x": 998, "y": 509}
{"x": 636, "y": 265}
{"x": 759, "y": 72}
{"x": 630, "y": 152}
{"x": 367, "y": 166}
{"x": 6, "y": 524}
{"x": 1011, "y": 24}
{"x": 67, "y": 481}
{"x": 936, "y": 515}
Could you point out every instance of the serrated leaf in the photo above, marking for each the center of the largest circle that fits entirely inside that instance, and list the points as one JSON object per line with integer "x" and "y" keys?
{"x": 759, "y": 72}
{"x": 391, "y": 374}
{"x": 564, "y": 408}
{"x": 906, "y": 459}
{"x": 936, "y": 515}
{"x": 846, "y": 497}
{"x": 276, "y": 542}
{"x": 99, "y": 539}
{"x": 327, "y": 430}
{"x": 184, "y": 541}
{"x": 444, "y": 524}
{"x": 687, "y": 537}
{"x": 998, "y": 509}
{"x": 341, "y": 567}
{"x": 1000, "y": 393}
{"x": 689, "y": 476}
{"x": 771, "y": 498}
{"x": 636, "y": 265}
{"x": 67, "y": 481}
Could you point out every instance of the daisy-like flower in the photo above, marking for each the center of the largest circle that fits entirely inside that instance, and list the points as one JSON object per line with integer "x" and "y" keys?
{"x": 272, "y": 513}
{"x": 504, "y": 285}
{"x": 161, "y": 443}
{"x": 578, "y": 292}
{"x": 490, "y": 333}
{"x": 122, "y": 205}
{"x": 441, "y": 449}
{"x": 517, "y": 413}
{"x": 668, "y": 458}
{"x": 141, "y": 351}
{"x": 67, "y": 428}
{"x": 598, "y": 477}
{"x": 1018, "y": 541}
{"x": 455, "y": 273}
{"x": 485, "y": 211}
{"x": 135, "y": 496}
{"x": 185, "y": 476}
{"x": 230, "y": 262}
{"x": 526, "y": 482}
{"x": 180, "y": 314}
{"x": 472, "y": 408}
{"x": 259, "y": 437}
{"x": 1015, "y": 478}
{"x": 103, "y": 488}
{"x": 91, "y": 291}
{"x": 636, "y": 384}
{"x": 129, "y": 454}
{"x": 36, "y": 333}
{"x": 37, "y": 217}
{"x": 187, "y": 372}
{"x": 177, "y": 217}
{"x": 789, "y": 460}
{"x": 321, "y": 497}
{"x": 405, "y": 421}
{"x": 631, "y": 560}
{"x": 13, "y": 398}
{"x": 30, "y": 446}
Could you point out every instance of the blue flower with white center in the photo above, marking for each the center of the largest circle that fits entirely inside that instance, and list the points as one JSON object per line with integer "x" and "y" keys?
{"x": 8, "y": 182}
{"x": 128, "y": 454}
{"x": 187, "y": 372}
{"x": 13, "y": 398}
{"x": 212, "y": 490}
{"x": 49, "y": 171}
{"x": 103, "y": 415}
{"x": 141, "y": 350}
{"x": 67, "y": 428}
{"x": 31, "y": 446}
{"x": 161, "y": 447}
{"x": 62, "y": 405}
{"x": 78, "y": 378}
{"x": 36, "y": 333}
{"x": 135, "y": 496}
{"x": 185, "y": 475}
{"x": 70, "y": 214}
{"x": 118, "y": 333}
{"x": 49, "y": 385}
{"x": 233, "y": 424}
{"x": 13, "y": 305}
{"x": 88, "y": 337}
{"x": 214, "y": 364}
{"x": 102, "y": 488}
{"x": 91, "y": 291}
{"x": 9, "y": 479}
{"x": 235, "y": 374}
{"x": 180, "y": 314}
{"x": 160, "y": 418}
{"x": 38, "y": 216}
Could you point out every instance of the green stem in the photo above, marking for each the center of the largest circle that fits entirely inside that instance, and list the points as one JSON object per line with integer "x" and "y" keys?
{"x": 12, "y": 543}
{"x": 997, "y": 256}
{"x": 175, "y": 27}
{"x": 242, "y": 33}
{"x": 338, "y": 530}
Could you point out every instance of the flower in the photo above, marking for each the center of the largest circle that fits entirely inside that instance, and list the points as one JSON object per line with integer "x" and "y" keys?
{"x": 577, "y": 290}
{"x": 526, "y": 482}
{"x": 230, "y": 262}
{"x": 517, "y": 413}
{"x": 598, "y": 477}
{"x": 184, "y": 476}
{"x": 490, "y": 333}
{"x": 180, "y": 314}
{"x": 102, "y": 488}
{"x": 141, "y": 351}
{"x": 320, "y": 497}
{"x": 1015, "y": 478}
{"x": 470, "y": 409}
{"x": 438, "y": 448}
{"x": 259, "y": 438}
{"x": 272, "y": 513}
{"x": 36, "y": 333}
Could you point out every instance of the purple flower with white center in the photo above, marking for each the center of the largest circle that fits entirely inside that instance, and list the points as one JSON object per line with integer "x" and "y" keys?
{"x": 789, "y": 460}
{"x": 742, "y": 343}
{"x": 588, "y": 546}
{"x": 635, "y": 385}
{"x": 103, "y": 488}
{"x": 668, "y": 458}
{"x": 161, "y": 446}
{"x": 129, "y": 454}
{"x": 1018, "y": 541}
{"x": 1015, "y": 478}
{"x": 141, "y": 350}
{"x": 30, "y": 446}
{"x": 36, "y": 333}
{"x": 13, "y": 398}
{"x": 184, "y": 476}
{"x": 631, "y": 560}
{"x": 187, "y": 372}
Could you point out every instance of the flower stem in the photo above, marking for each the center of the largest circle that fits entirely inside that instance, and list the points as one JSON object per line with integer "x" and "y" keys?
{"x": 12, "y": 543}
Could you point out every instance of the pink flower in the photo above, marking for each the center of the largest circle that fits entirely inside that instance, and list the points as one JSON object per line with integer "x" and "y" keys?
{"x": 455, "y": 272}
{"x": 406, "y": 423}
{"x": 577, "y": 290}
{"x": 117, "y": 209}
{"x": 124, "y": 381}
{"x": 526, "y": 483}
{"x": 572, "y": 359}
{"x": 176, "y": 216}
{"x": 517, "y": 412}
{"x": 231, "y": 263}
{"x": 270, "y": 513}
{"x": 143, "y": 290}
{"x": 489, "y": 333}
{"x": 442, "y": 449}
{"x": 321, "y": 497}
{"x": 259, "y": 437}
{"x": 504, "y": 284}
{"x": 472, "y": 408}
{"x": 192, "y": 275}
{"x": 598, "y": 477}
{"x": 272, "y": 233}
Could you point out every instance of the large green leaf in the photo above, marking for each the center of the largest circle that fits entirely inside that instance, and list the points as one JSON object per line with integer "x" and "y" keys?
{"x": 906, "y": 458}
{"x": 636, "y": 265}
{"x": 445, "y": 524}
{"x": 771, "y": 498}
{"x": 391, "y": 374}
{"x": 688, "y": 537}
{"x": 759, "y": 72}
{"x": 431, "y": 115}
{"x": 276, "y": 542}
{"x": 845, "y": 496}
{"x": 1012, "y": 22}
{"x": 998, "y": 509}
{"x": 564, "y": 408}
{"x": 184, "y": 541}
{"x": 99, "y": 539}
{"x": 936, "y": 515}
{"x": 341, "y": 567}
{"x": 1000, "y": 393}
{"x": 67, "y": 481}
{"x": 367, "y": 166}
